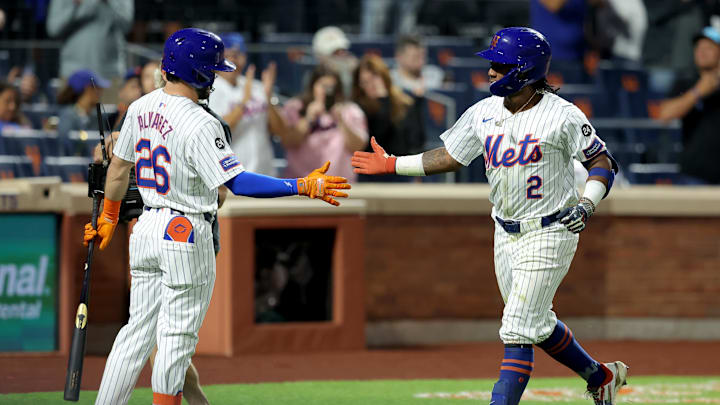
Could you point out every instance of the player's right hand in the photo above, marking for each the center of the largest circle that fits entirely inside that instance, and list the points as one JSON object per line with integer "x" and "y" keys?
{"x": 107, "y": 221}
{"x": 377, "y": 162}
{"x": 319, "y": 185}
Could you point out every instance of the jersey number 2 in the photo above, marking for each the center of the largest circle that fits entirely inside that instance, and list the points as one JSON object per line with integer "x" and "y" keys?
{"x": 535, "y": 182}
{"x": 153, "y": 160}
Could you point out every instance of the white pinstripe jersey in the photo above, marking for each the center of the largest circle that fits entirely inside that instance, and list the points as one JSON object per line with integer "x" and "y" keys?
{"x": 179, "y": 150}
{"x": 528, "y": 157}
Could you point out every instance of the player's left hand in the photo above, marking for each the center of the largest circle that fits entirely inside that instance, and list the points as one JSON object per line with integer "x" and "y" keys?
{"x": 319, "y": 185}
{"x": 575, "y": 218}
{"x": 107, "y": 221}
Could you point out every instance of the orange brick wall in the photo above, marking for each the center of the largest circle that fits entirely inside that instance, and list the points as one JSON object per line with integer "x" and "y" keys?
{"x": 432, "y": 267}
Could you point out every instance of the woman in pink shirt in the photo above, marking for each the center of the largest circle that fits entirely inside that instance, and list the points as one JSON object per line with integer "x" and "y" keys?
{"x": 323, "y": 126}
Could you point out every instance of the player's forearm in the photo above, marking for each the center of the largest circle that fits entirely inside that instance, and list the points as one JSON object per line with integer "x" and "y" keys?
{"x": 256, "y": 185}
{"x": 599, "y": 182}
{"x": 678, "y": 107}
{"x": 439, "y": 161}
{"x": 118, "y": 177}
{"x": 602, "y": 162}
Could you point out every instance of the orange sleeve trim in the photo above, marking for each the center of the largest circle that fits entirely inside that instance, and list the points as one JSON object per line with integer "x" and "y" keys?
{"x": 522, "y": 362}
{"x": 167, "y": 399}
{"x": 111, "y": 210}
{"x": 515, "y": 369}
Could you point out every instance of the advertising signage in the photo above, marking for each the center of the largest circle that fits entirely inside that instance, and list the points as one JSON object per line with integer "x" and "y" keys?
{"x": 28, "y": 282}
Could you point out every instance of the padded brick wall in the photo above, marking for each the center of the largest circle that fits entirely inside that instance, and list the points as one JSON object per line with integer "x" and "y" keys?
{"x": 441, "y": 267}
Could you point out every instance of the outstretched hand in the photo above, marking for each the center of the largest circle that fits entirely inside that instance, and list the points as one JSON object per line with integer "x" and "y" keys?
{"x": 377, "y": 162}
{"x": 319, "y": 185}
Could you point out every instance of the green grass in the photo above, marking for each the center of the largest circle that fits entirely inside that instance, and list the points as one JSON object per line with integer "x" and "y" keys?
{"x": 651, "y": 390}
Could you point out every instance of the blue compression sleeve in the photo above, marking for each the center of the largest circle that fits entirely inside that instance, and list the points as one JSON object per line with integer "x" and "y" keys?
{"x": 258, "y": 185}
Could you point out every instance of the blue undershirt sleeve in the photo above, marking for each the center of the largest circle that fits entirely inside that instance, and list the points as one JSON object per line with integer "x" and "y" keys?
{"x": 256, "y": 185}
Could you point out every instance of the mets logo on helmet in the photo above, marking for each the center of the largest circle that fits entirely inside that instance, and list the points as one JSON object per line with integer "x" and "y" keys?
{"x": 494, "y": 42}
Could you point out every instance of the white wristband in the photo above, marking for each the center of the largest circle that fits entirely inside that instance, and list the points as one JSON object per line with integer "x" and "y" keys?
{"x": 410, "y": 165}
{"x": 594, "y": 191}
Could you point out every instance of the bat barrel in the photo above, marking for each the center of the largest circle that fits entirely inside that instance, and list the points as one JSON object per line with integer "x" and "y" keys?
{"x": 75, "y": 365}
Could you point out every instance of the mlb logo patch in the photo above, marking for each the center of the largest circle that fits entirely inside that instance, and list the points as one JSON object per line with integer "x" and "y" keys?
{"x": 593, "y": 150}
{"x": 228, "y": 162}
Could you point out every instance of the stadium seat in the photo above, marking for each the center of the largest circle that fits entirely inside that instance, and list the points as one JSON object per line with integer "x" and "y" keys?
{"x": 69, "y": 168}
{"x": 17, "y": 166}
{"x": 562, "y": 73}
{"x": 441, "y": 50}
{"x": 473, "y": 71}
{"x": 627, "y": 87}
{"x": 38, "y": 114}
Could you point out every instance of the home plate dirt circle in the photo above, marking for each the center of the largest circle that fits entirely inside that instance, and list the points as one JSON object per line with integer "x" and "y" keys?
{"x": 680, "y": 393}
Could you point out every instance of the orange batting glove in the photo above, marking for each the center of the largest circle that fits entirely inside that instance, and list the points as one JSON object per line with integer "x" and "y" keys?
{"x": 377, "y": 162}
{"x": 107, "y": 222}
{"x": 319, "y": 185}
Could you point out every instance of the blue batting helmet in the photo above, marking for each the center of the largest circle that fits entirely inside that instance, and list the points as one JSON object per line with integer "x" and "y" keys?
{"x": 194, "y": 55}
{"x": 523, "y": 47}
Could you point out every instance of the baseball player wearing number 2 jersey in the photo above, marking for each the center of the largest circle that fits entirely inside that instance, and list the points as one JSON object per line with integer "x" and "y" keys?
{"x": 528, "y": 137}
{"x": 180, "y": 158}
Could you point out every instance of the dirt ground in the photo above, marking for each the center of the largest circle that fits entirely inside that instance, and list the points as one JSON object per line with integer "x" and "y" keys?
{"x": 30, "y": 373}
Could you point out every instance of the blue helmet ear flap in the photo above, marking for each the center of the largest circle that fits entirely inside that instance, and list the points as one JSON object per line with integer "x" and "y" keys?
{"x": 509, "y": 84}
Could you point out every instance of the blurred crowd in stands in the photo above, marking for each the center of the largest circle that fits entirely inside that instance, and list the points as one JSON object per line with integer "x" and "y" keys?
{"x": 317, "y": 79}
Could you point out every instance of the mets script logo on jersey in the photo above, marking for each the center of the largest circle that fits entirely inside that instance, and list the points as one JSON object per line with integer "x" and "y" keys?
{"x": 510, "y": 157}
{"x": 228, "y": 162}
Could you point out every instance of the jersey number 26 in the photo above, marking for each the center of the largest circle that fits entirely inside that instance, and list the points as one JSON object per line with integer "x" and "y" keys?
{"x": 153, "y": 161}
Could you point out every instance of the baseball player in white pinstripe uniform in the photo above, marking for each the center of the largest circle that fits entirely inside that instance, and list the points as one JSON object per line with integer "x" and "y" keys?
{"x": 528, "y": 137}
{"x": 180, "y": 158}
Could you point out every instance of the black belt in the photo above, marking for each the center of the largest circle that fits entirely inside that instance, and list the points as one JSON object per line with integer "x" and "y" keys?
{"x": 514, "y": 226}
{"x": 208, "y": 216}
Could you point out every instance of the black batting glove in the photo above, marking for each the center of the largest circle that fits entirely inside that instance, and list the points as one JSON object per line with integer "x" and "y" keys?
{"x": 575, "y": 218}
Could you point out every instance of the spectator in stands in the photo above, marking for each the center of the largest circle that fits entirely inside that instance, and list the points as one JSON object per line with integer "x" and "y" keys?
{"x": 628, "y": 45}
{"x": 27, "y": 83}
{"x": 247, "y": 106}
{"x": 374, "y": 16}
{"x": 323, "y": 126}
{"x": 331, "y": 48}
{"x": 130, "y": 91}
{"x": 92, "y": 34}
{"x": 10, "y": 115}
{"x": 393, "y": 117}
{"x": 82, "y": 91}
{"x": 697, "y": 102}
{"x": 672, "y": 24}
{"x": 561, "y": 21}
{"x": 148, "y": 80}
{"x": 412, "y": 74}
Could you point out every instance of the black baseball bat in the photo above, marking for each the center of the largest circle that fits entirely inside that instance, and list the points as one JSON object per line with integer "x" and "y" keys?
{"x": 77, "y": 347}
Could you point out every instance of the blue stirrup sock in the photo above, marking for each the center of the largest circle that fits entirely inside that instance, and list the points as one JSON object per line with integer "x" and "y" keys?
{"x": 514, "y": 375}
{"x": 562, "y": 346}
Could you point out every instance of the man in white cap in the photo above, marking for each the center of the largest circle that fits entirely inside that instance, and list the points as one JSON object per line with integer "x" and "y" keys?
{"x": 331, "y": 47}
